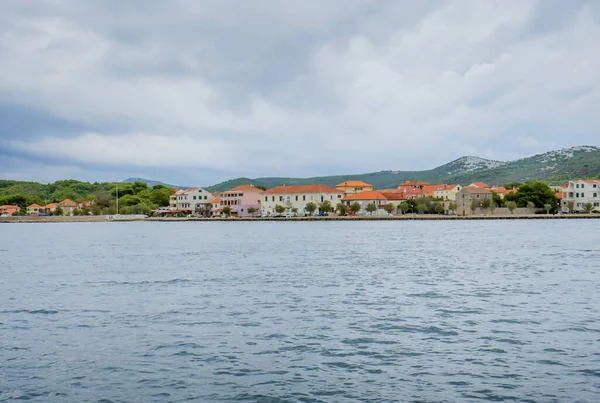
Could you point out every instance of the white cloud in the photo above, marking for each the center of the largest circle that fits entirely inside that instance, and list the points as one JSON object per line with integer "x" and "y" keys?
{"x": 460, "y": 78}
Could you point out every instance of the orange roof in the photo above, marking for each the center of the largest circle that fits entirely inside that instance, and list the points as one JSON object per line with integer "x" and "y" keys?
{"x": 68, "y": 203}
{"x": 302, "y": 189}
{"x": 369, "y": 195}
{"x": 34, "y": 206}
{"x": 479, "y": 185}
{"x": 353, "y": 183}
{"x": 592, "y": 181}
{"x": 51, "y": 205}
{"x": 433, "y": 188}
{"x": 241, "y": 188}
{"x": 216, "y": 200}
{"x": 9, "y": 206}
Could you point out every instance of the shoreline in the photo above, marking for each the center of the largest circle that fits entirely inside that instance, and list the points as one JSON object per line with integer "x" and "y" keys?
{"x": 424, "y": 217}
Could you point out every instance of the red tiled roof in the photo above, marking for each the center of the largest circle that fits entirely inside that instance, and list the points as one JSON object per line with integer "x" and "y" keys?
{"x": 68, "y": 203}
{"x": 241, "y": 188}
{"x": 369, "y": 195}
{"x": 414, "y": 183}
{"x": 353, "y": 183}
{"x": 34, "y": 206}
{"x": 51, "y": 205}
{"x": 479, "y": 185}
{"x": 302, "y": 189}
{"x": 216, "y": 200}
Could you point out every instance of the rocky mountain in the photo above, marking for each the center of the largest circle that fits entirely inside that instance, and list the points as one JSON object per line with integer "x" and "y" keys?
{"x": 151, "y": 182}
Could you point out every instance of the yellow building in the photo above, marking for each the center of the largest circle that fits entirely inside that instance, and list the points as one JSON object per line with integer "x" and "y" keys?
{"x": 353, "y": 187}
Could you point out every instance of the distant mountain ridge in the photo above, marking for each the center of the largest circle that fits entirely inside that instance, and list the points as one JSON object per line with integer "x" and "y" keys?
{"x": 554, "y": 167}
{"x": 151, "y": 183}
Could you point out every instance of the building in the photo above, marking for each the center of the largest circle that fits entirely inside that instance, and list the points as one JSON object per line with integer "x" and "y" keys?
{"x": 190, "y": 200}
{"x": 414, "y": 184}
{"x": 215, "y": 209}
{"x": 8, "y": 210}
{"x": 297, "y": 197}
{"x": 469, "y": 195}
{"x": 353, "y": 187}
{"x": 50, "y": 208}
{"x": 68, "y": 206}
{"x": 502, "y": 191}
{"x": 442, "y": 191}
{"x": 240, "y": 199}
{"x": 379, "y": 198}
{"x": 35, "y": 209}
{"x": 480, "y": 185}
{"x": 580, "y": 192}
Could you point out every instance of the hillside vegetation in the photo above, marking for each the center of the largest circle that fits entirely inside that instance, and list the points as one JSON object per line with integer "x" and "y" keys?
{"x": 554, "y": 167}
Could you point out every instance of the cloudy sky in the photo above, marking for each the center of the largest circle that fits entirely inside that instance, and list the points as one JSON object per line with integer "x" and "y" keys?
{"x": 194, "y": 92}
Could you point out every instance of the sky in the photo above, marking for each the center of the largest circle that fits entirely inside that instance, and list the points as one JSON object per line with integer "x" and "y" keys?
{"x": 194, "y": 92}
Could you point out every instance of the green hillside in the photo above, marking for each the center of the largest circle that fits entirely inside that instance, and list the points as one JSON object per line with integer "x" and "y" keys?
{"x": 554, "y": 167}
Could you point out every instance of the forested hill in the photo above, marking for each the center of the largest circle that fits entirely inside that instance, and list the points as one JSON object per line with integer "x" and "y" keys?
{"x": 554, "y": 167}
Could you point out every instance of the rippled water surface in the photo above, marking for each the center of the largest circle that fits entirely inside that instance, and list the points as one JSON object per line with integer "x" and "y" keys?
{"x": 301, "y": 312}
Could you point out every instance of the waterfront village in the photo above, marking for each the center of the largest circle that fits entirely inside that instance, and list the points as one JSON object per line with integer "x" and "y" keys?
{"x": 357, "y": 198}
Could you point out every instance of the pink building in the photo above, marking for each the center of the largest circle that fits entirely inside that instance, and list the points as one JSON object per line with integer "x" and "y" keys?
{"x": 240, "y": 199}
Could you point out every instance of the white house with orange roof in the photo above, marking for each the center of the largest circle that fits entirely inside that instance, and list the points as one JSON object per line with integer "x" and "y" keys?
{"x": 580, "y": 192}
{"x": 353, "y": 186}
{"x": 191, "y": 199}
{"x": 379, "y": 198}
{"x": 9, "y": 209}
{"x": 442, "y": 191}
{"x": 297, "y": 197}
{"x": 240, "y": 199}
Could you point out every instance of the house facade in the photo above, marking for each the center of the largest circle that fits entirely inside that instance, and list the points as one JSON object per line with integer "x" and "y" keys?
{"x": 8, "y": 210}
{"x": 580, "y": 192}
{"x": 442, "y": 191}
{"x": 380, "y": 199}
{"x": 353, "y": 187}
{"x": 240, "y": 199}
{"x": 35, "y": 209}
{"x": 50, "y": 207}
{"x": 190, "y": 200}
{"x": 68, "y": 206}
{"x": 297, "y": 197}
{"x": 469, "y": 195}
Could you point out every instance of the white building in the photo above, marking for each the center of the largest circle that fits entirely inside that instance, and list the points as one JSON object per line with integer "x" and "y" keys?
{"x": 190, "y": 199}
{"x": 297, "y": 197}
{"x": 579, "y": 193}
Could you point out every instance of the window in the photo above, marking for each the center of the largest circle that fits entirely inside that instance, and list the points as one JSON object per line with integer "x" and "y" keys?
{"x": 273, "y": 198}
{"x": 280, "y": 198}
{"x": 339, "y": 196}
{"x": 331, "y": 197}
{"x": 596, "y": 204}
{"x": 205, "y": 197}
{"x": 194, "y": 197}
{"x": 241, "y": 195}
{"x": 595, "y": 195}
{"x": 266, "y": 198}
{"x": 296, "y": 197}
{"x": 303, "y": 197}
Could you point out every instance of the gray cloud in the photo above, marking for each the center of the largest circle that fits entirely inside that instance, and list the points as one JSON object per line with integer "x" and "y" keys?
{"x": 296, "y": 88}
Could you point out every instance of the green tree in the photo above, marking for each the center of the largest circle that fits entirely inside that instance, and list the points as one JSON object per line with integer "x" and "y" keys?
{"x": 588, "y": 207}
{"x": 547, "y": 207}
{"x": 452, "y": 207}
{"x": 160, "y": 196}
{"x": 530, "y": 205}
{"x": 252, "y": 211}
{"x": 355, "y": 207}
{"x": 513, "y": 185}
{"x": 486, "y": 204}
{"x": 279, "y": 209}
{"x": 129, "y": 200}
{"x": 537, "y": 193}
{"x": 439, "y": 208}
{"x": 226, "y": 211}
{"x": 511, "y": 205}
{"x": 421, "y": 208}
{"x": 474, "y": 205}
{"x": 139, "y": 186}
{"x": 59, "y": 211}
{"x": 340, "y": 208}
{"x": 571, "y": 206}
{"x": 310, "y": 208}
{"x": 295, "y": 210}
{"x": 404, "y": 207}
{"x": 498, "y": 201}
{"x": 326, "y": 207}
{"x": 371, "y": 208}
{"x": 389, "y": 208}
